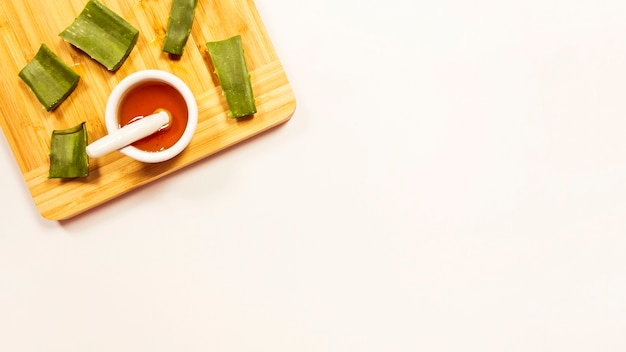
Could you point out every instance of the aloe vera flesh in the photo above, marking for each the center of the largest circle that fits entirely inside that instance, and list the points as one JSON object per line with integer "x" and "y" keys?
{"x": 51, "y": 80}
{"x": 231, "y": 69}
{"x": 102, "y": 34}
{"x": 179, "y": 26}
{"x": 68, "y": 154}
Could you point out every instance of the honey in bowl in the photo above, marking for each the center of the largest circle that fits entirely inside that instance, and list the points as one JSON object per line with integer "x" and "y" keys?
{"x": 144, "y": 100}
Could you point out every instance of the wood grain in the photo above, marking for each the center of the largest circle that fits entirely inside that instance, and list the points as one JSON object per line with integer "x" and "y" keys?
{"x": 24, "y": 25}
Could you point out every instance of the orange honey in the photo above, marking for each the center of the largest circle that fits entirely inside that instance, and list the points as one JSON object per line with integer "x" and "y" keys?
{"x": 143, "y": 100}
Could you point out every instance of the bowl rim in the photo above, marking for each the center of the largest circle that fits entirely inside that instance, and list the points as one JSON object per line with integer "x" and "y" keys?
{"x": 141, "y": 77}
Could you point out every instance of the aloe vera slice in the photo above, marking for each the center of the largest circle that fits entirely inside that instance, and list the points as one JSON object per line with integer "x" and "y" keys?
{"x": 179, "y": 26}
{"x": 102, "y": 34}
{"x": 49, "y": 78}
{"x": 232, "y": 72}
{"x": 68, "y": 155}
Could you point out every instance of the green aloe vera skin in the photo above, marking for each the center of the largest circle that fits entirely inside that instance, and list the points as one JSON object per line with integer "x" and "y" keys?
{"x": 68, "y": 153}
{"x": 231, "y": 69}
{"x": 51, "y": 80}
{"x": 102, "y": 34}
{"x": 179, "y": 26}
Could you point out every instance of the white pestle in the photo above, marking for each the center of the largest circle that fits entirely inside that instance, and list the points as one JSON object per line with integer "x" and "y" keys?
{"x": 129, "y": 134}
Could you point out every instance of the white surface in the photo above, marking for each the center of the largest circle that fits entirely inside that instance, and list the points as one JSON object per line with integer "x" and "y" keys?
{"x": 453, "y": 180}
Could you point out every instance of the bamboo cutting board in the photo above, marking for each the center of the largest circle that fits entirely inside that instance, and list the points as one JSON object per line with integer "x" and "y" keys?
{"x": 24, "y": 25}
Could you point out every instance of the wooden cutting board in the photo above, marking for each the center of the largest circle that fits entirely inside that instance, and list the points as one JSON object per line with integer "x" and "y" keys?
{"x": 24, "y": 25}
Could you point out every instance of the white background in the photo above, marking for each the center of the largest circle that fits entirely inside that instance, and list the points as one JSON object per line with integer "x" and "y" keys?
{"x": 453, "y": 179}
